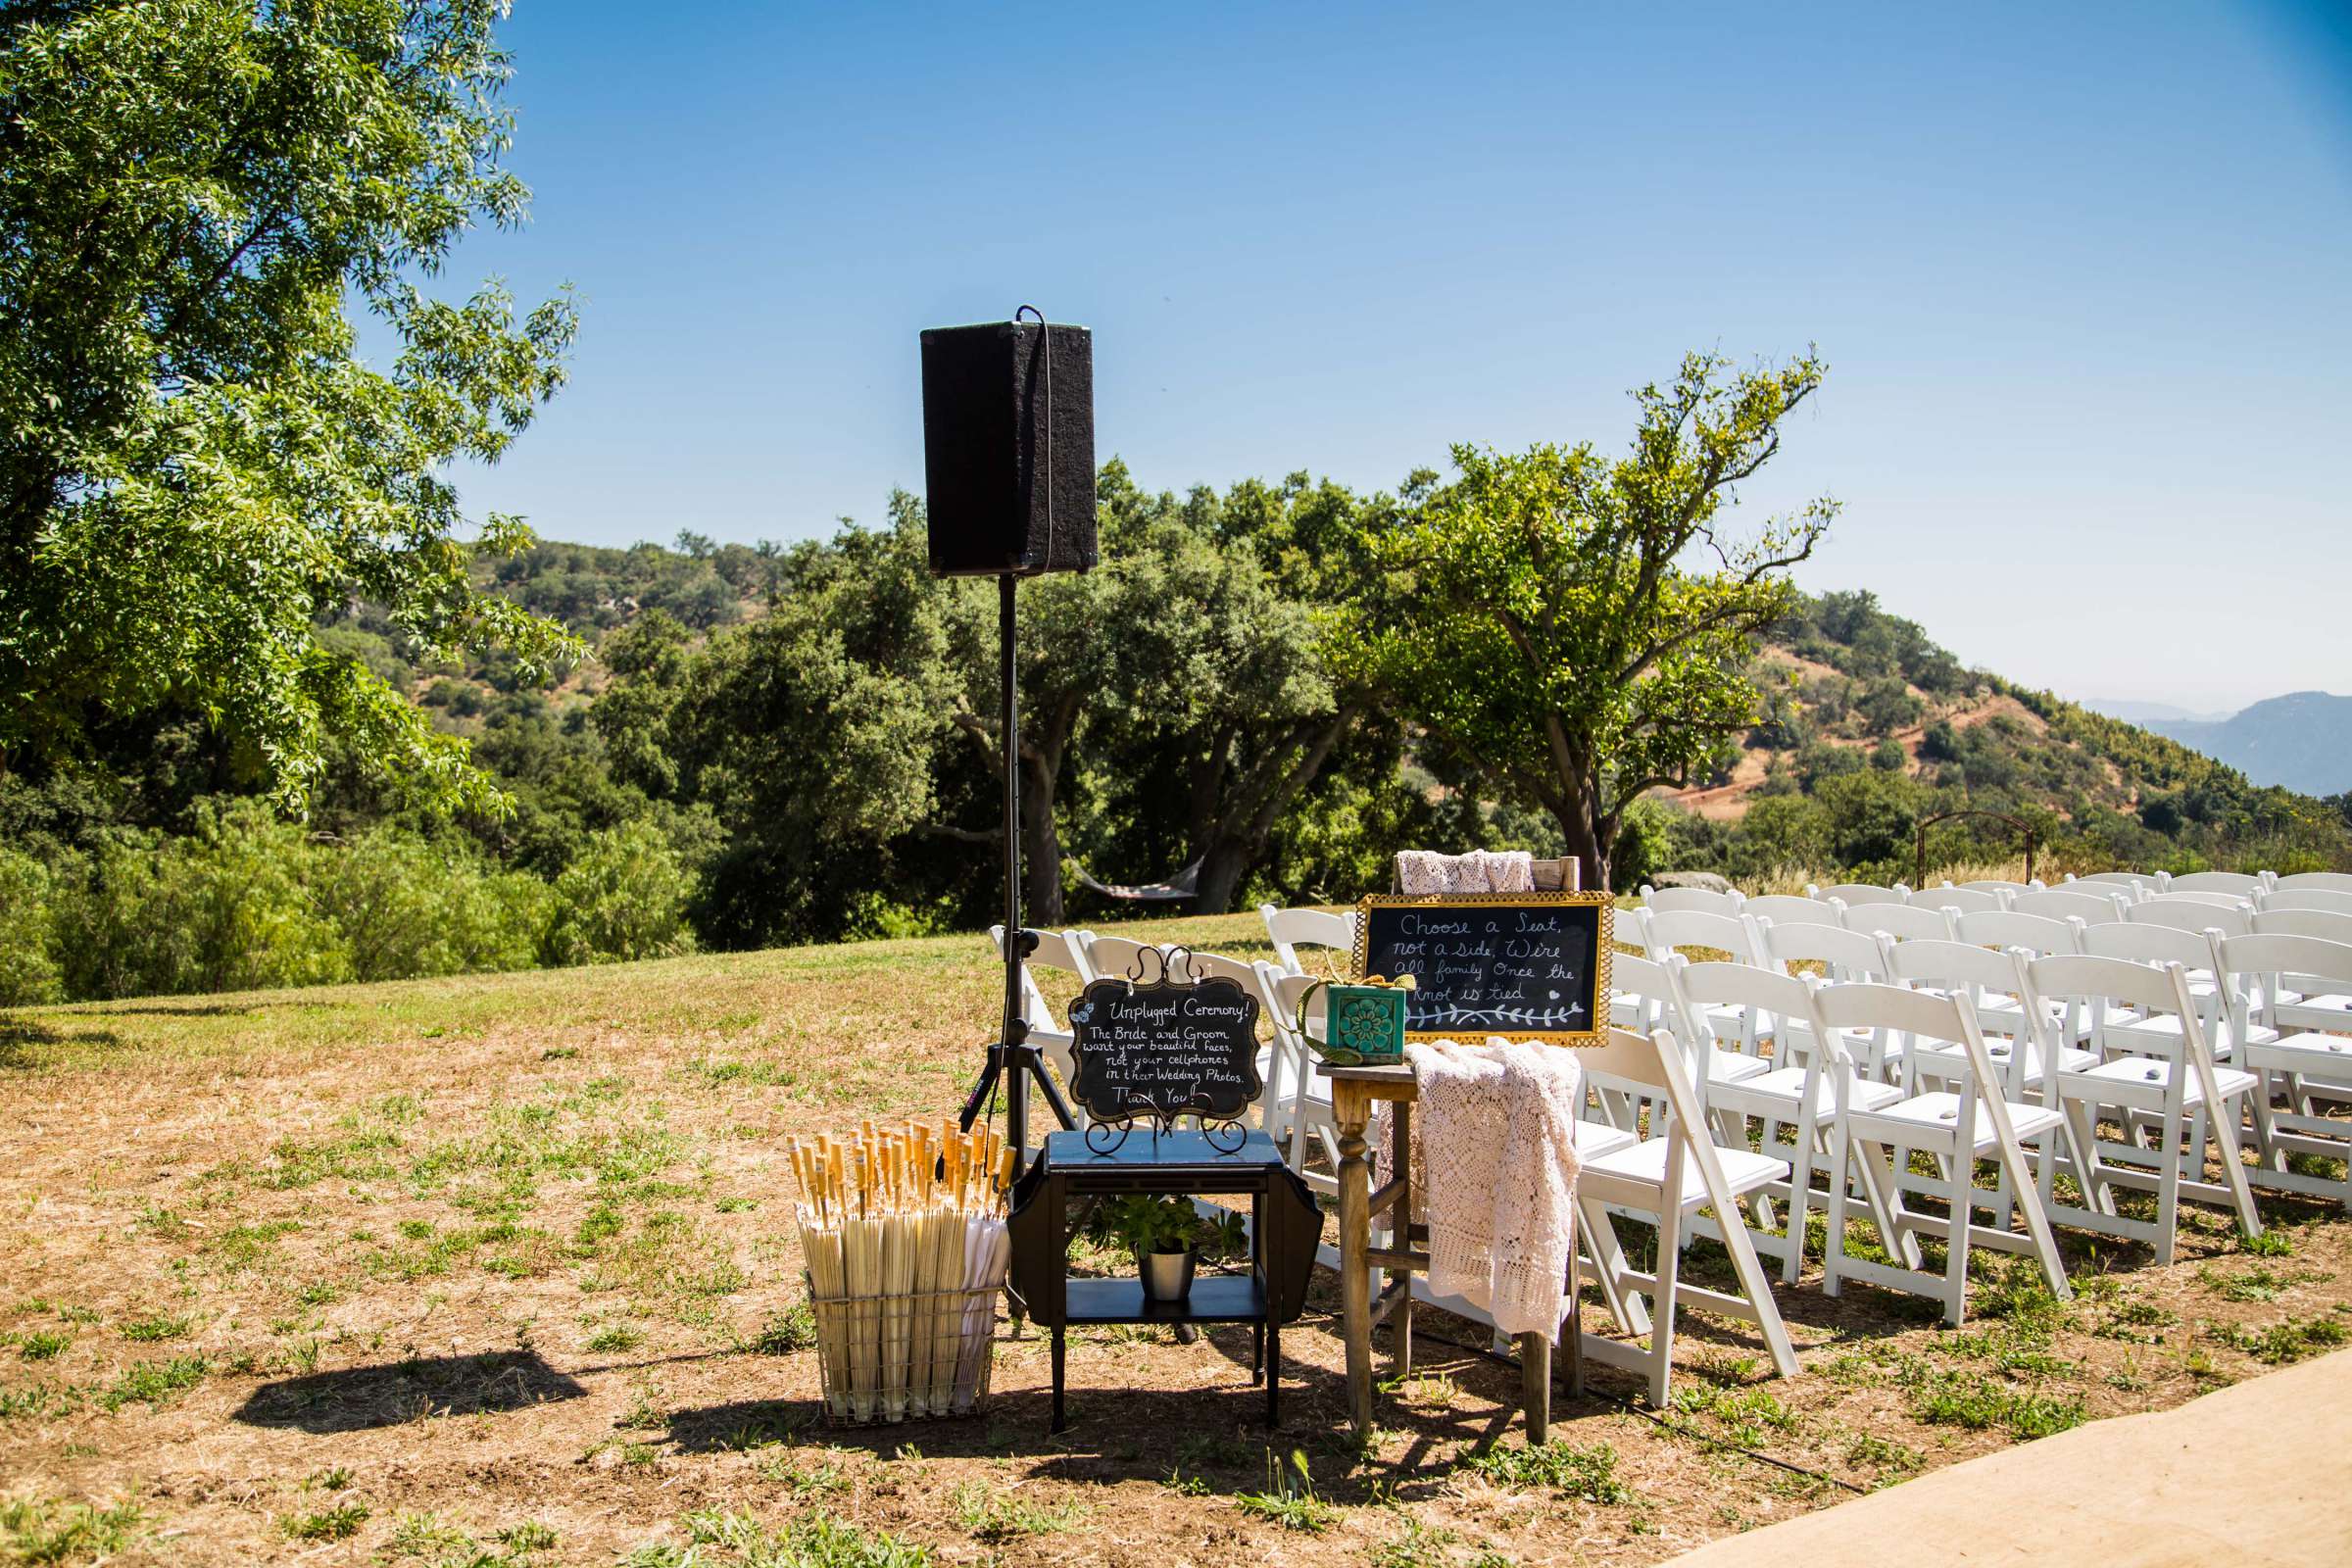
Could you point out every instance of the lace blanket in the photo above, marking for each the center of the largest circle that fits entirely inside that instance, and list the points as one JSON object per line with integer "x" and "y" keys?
{"x": 1495, "y": 1151}
{"x": 1425, "y": 871}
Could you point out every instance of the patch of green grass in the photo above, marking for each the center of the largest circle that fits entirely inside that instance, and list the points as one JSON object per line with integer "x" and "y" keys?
{"x": 339, "y": 1522}
{"x": 1185, "y": 1485}
{"x": 243, "y": 1246}
{"x": 996, "y": 1517}
{"x": 44, "y": 1533}
{"x": 2283, "y": 1342}
{"x": 1289, "y": 1500}
{"x": 45, "y": 1344}
{"x": 1419, "y": 1547}
{"x": 1981, "y": 1403}
{"x": 155, "y": 1383}
{"x": 2273, "y": 1243}
{"x": 1741, "y": 1416}
{"x": 529, "y": 1536}
{"x": 295, "y": 1164}
{"x": 1892, "y": 1459}
{"x": 617, "y": 1337}
{"x": 812, "y": 1540}
{"x": 1589, "y": 1473}
{"x": 716, "y": 1071}
{"x": 806, "y": 1481}
{"x": 793, "y": 1329}
{"x": 46, "y": 1401}
{"x": 153, "y": 1329}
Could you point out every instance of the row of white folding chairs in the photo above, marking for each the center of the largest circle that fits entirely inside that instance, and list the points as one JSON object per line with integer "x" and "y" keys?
{"x": 2319, "y": 890}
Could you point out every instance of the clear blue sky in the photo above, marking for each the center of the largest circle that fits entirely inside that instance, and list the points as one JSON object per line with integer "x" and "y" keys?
{"x": 2081, "y": 273}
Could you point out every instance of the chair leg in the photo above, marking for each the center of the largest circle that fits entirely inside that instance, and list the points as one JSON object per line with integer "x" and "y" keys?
{"x": 1800, "y": 1195}
{"x": 2037, "y": 1225}
{"x": 1611, "y": 1268}
{"x": 2224, "y": 1124}
{"x": 2169, "y": 1161}
{"x": 1662, "y": 1308}
{"x": 1757, "y": 1284}
{"x": 1832, "y": 1249}
{"x": 1955, "y": 1265}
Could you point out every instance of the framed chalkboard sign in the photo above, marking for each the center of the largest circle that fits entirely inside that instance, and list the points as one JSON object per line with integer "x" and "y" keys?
{"x": 1153, "y": 1050}
{"x": 1523, "y": 966}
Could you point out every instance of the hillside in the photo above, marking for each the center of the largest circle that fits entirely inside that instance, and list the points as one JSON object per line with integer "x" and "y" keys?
{"x": 1872, "y": 727}
{"x": 2302, "y": 741}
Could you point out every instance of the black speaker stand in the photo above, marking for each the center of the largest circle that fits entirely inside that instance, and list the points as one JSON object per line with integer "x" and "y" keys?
{"x": 1012, "y": 1059}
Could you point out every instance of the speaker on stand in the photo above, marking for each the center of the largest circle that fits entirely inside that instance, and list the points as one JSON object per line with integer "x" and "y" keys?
{"x": 1009, "y": 457}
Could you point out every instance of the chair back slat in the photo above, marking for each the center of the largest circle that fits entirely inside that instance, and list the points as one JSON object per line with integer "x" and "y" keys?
{"x": 1959, "y": 900}
{"x": 2237, "y": 884}
{"x": 2324, "y": 925}
{"x": 1852, "y": 893}
{"x": 1290, "y": 929}
{"x": 2194, "y": 912}
{"x": 1904, "y": 922}
{"x": 1788, "y": 908}
{"x": 2035, "y": 933}
{"x": 2089, "y": 903}
{"x": 1663, "y": 930}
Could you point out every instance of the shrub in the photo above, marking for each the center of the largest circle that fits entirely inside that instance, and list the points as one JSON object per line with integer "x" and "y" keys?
{"x": 410, "y": 907}
{"x": 28, "y": 964}
{"x": 227, "y": 907}
{"x": 623, "y": 896}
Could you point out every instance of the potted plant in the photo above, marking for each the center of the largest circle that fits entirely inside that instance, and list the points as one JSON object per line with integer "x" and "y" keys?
{"x": 1163, "y": 1234}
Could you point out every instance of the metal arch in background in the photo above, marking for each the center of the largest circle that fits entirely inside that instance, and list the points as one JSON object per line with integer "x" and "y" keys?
{"x": 2024, "y": 827}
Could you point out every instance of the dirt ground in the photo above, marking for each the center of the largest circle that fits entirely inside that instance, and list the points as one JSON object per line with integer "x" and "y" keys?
{"x": 498, "y": 1270}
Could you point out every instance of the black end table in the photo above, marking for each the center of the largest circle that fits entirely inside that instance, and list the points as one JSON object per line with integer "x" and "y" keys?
{"x": 1285, "y": 1227}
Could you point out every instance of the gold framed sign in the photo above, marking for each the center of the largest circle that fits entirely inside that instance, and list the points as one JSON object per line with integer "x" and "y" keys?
{"x": 1522, "y": 966}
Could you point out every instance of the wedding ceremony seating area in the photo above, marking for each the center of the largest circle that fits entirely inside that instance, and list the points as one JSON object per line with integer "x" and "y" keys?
{"x": 1878, "y": 1085}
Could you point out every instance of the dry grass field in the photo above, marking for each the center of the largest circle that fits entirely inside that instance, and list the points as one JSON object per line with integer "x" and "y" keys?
{"x": 499, "y": 1271}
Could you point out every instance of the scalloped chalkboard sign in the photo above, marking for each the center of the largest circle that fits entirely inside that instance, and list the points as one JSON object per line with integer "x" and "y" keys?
{"x": 1158, "y": 1050}
{"x": 1523, "y": 966}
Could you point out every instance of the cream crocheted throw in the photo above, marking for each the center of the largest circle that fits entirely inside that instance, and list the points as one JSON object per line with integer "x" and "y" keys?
{"x": 1425, "y": 871}
{"x": 1494, "y": 1149}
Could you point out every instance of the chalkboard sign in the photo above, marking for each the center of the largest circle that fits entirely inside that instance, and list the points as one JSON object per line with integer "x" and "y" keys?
{"x": 1523, "y": 966}
{"x": 1155, "y": 1051}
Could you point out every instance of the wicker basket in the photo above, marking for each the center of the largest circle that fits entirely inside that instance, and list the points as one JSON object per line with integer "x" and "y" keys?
{"x": 883, "y": 1359}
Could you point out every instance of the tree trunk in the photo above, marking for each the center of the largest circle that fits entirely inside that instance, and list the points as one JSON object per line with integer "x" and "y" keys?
{"x": 1587, "y": 835}
{"x": 1041, "y": 847}
{"x": 1222, "y": 868}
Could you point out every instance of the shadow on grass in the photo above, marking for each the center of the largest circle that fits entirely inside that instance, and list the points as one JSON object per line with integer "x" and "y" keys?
{"x": 361, "y": 1398}
{"x": 22, "y": 1041}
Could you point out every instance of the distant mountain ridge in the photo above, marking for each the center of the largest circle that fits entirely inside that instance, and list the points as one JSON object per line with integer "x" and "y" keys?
{"x": 2132, "y": 711}
{"x": 2302, "y": 741}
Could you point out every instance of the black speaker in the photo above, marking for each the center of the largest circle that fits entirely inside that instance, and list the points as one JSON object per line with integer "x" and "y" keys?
{"x": 1009, "y": 448}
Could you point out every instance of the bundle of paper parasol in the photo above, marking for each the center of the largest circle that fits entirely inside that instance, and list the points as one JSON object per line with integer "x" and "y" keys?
{"x": 904, "y": 1232}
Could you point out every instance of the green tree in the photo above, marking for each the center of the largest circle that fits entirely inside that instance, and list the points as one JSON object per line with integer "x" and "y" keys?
{"x": 1579, "y": 628}
{"x": 194, "y": 460}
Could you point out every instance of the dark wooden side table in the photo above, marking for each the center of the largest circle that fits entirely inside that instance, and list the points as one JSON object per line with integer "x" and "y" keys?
{"x": 1285, "y": 1227}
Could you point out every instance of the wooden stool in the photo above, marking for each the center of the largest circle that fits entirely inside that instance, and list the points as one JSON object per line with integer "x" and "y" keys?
{"x": 1353, "y": 1093}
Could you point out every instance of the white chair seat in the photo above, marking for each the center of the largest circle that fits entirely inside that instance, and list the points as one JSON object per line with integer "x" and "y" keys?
{"x": 2304, "y": 1052}
{"x": 1938, "y": 1112}
{"x": 1935, "y": 1055}
{"x": 1734, "y": 1066}
{"x": 1644, "y": 1165}
{"x": 1783, "y": 1088}
{"x": 2326, "y": 1009}
{"x": 1594, "y": 1139}
{"x": 2150, "y": 1077}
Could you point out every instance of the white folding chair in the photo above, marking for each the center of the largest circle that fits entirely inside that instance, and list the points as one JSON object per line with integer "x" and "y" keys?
{"x": 1658, "y": 1001}
{"x": 1960, "y": 1126}
{"x": 2324, "y": 926}
{"x": 2037, "y": 934}
{"x": 1994, "y": 980}
{"x": 1303, "y": 1123}
{"x": 1804, "y": 1098}
{"x": 1788, "y": 908}
{"x": 2130, "y": 884}
{"x": 1704, "y": 899}
{"x": 2313, "y": 881}
{"x": 2193, "y": 912}
{"x": 1269, "y": 1108}
{"x": 2154, "y": 1094}
{"x": 2317, "y": 900}
{"x": 2237, "y": 884}
{"x": 1674, "y": 1174}
{"x": 1989, "y": 884}
{"x": 1900, "y": 922}
{"x": 1845, "y": 957}
{"x": 2299, "y": 1062}
{"x": 1960, "y": 901}
{"x": 2087, "y": 902}
{"x": 1860, "y": 893}
{"x": 1662, "y": 931}
{"x": 1290, "y": 929}
{"x": 1065, "y": 951}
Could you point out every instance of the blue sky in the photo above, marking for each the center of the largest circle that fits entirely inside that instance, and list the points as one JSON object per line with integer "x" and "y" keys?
{"x": 2081, "y": 273}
